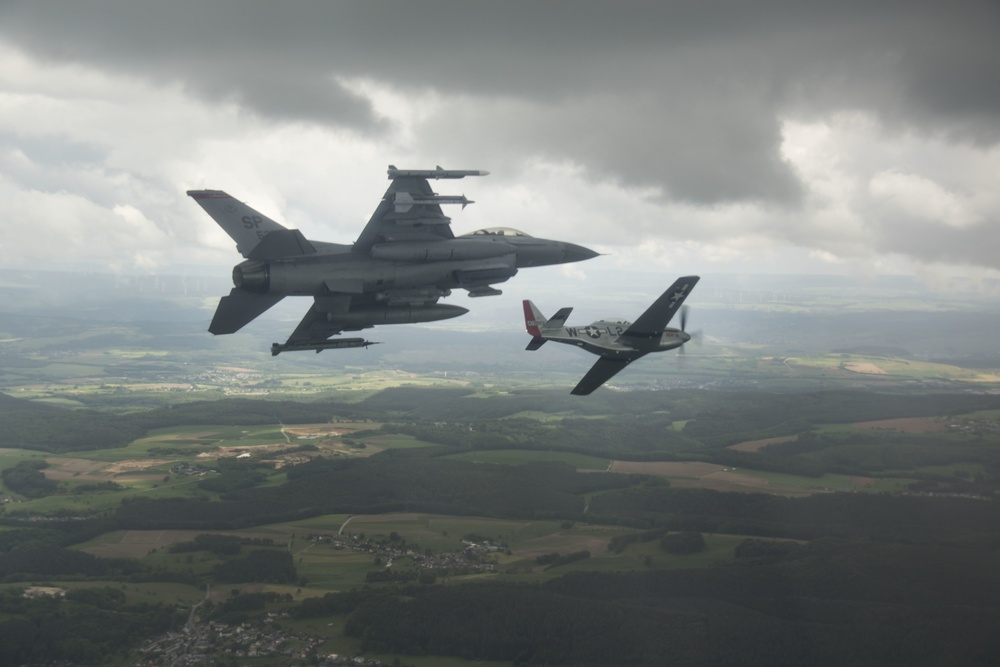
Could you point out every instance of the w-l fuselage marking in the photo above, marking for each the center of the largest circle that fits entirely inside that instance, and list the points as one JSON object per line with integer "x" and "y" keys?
{"x": 609, "y": 338}
{"x": 593, "y": 331}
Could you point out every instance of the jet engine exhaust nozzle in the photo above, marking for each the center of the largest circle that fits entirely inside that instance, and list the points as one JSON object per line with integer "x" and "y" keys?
{"x": 252, "y": 276}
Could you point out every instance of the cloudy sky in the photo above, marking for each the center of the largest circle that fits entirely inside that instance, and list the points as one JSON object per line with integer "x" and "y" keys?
{"x": 851, "y": 138}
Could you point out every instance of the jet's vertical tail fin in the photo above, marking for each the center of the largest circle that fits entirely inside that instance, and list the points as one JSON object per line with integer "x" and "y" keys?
{"x": 245, "y": 225}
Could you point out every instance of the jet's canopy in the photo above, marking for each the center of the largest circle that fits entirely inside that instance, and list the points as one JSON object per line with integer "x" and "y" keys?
{"x": 498, "y": 231}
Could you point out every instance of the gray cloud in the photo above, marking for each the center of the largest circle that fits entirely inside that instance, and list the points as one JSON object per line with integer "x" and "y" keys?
{"x": 685, "y": 106}
{"x": 686, "y": 97}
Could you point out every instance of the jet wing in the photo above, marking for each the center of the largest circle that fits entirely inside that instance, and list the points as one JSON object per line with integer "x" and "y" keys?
{"x": 402, "y": 216}
{"x": 315, "y": 327}
{"x": 602, "y": 371}
{"x": 652, "y": 322}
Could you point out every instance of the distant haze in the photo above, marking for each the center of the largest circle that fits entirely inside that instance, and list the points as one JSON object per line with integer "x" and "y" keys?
{"x": 761, "y": 315}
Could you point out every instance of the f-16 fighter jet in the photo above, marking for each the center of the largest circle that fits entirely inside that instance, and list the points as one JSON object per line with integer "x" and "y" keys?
{"x": 404, "y": 261}
{"x": 618, "y": 343}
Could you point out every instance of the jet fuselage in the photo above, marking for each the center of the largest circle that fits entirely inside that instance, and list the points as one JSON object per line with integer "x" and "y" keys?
{"x": 467, "y": 262}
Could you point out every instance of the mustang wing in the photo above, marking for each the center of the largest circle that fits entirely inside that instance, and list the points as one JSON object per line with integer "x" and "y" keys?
{"x": 652, "y": 322}
{"x": 401, "y": 216}
{"x": 601, "y": 372}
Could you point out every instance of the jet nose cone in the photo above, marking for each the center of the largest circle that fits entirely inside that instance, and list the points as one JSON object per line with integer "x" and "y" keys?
{"x": 577, "y": 253}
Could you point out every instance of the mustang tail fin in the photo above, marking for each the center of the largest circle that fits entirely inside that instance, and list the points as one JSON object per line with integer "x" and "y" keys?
{"x": 249, "y": 227}
{"x": 533, "y": 318}
{"x": 537, "y": 325}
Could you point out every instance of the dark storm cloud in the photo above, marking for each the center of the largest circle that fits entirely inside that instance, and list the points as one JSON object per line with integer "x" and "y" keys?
{"x": 687, "y": 97}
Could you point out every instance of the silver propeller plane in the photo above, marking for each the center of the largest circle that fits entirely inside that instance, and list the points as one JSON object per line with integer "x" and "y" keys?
{"x": 404, "y": 261}
{"x": 618, "y": 343}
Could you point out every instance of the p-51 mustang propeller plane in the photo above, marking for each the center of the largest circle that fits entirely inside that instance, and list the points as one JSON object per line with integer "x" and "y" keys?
{"x": 405, "y": 259}
{"x": 617, "y": 343}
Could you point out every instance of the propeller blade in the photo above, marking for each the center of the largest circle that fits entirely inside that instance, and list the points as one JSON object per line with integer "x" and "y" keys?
{"x": 684, "y": 317}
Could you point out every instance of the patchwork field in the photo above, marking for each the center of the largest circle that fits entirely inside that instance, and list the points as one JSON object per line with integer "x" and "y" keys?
{"x": 701, "y": 475}
{"x": 757, "y": 445}
{"x": 326, "y": 567}
{"x": 906, "y": 425}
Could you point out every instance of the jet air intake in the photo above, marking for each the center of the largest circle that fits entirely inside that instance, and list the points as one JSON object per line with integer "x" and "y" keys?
{"x": 479, "y": 277}
{"x": 252, "y": 276}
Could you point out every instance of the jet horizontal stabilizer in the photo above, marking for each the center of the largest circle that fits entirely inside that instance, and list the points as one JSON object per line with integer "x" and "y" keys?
{"x": 338, "y": 344}
{"x": 239, "y": 308}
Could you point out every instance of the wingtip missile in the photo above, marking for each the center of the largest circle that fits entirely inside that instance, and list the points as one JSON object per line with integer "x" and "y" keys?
{"x": 393, "y": 172}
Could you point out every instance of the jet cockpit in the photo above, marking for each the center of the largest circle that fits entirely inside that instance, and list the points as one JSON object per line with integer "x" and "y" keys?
{"x": 499, "y": 231}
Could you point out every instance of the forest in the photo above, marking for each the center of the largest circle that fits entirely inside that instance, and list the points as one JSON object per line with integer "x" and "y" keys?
{"x": 832, "y": 602}
{"x": 906, "y": 578}
{"x": 85, "y": 628}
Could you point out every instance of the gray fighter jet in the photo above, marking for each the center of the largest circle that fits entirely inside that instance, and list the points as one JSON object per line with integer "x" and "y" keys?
{"x": 404, "y": 261}
{"x": 618, "y": 343}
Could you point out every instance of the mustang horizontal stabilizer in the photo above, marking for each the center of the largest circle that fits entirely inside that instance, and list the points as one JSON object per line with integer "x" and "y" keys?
{"x": 559, "y": 319}
{"x": 239, "y": 309}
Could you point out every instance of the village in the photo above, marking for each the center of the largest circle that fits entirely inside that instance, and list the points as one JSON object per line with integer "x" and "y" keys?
{"x": 201, "y": 644}
{"x": 474, "y": 558}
